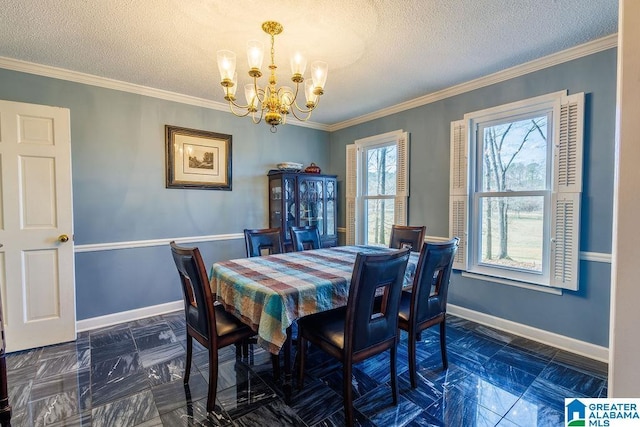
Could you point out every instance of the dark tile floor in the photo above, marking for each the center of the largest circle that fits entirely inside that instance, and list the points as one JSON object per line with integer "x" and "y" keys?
{"x": 131, "y": 375}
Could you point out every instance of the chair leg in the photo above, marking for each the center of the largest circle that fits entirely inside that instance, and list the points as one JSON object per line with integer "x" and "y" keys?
{"x": 275, "y": 364}
{"x": 187, "y": 368}
{"x": 443, "y": 346}
{"x": 213, "y": 379}
{"x": 347, "y": 392}
{"x": 412, "y": 359}
{"x": 302, "y": 350}
{"x": 394, "y": 377}
{"x": 238, "y": 350}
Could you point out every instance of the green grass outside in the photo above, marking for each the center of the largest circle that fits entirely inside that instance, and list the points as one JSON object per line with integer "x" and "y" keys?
{"x": 524, "y": 243}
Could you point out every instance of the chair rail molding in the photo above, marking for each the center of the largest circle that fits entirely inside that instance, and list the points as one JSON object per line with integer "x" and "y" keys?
{"x": 584, "y": 255}
{"x": 96, "y": 247}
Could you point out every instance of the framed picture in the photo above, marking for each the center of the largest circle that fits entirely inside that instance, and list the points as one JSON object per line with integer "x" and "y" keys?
{"x": 198, "y": 159}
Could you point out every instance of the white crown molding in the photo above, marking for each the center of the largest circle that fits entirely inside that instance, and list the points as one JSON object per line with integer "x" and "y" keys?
{"x": 510, "y": 73}
{"x": 550, "y": 338}
{"x": 519, "y": 70}
{"x": 92, "y": 80}
{"x": 127, "y": 316}
{"x": 95, "y": 247}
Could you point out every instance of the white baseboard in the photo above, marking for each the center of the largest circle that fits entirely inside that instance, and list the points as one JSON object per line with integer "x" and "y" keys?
{"x": 560, "y": 341}
{"x": 128, "y": 316}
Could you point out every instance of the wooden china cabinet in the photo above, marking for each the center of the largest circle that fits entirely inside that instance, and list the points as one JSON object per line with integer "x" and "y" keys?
{"x": 301, "y": 199}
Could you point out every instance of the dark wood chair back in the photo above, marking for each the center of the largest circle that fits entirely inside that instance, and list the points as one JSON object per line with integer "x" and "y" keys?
{"x": 304, "y": 238}
{"x": 372, "y": 323}
{"x": 366, "y": 327}
{"x": 405, "y": 236}
{"x": 426, "y": 304}
{"x": 265, "y": 241}
{"x": 204, "y": 318}
{"x": 198, "y": 298}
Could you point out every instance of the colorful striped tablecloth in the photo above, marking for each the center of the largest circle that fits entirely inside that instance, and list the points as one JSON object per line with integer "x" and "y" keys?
{"x": 270, "y": 292}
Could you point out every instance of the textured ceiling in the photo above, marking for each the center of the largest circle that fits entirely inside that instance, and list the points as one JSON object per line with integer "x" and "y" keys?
{"x": 380, "y": 52}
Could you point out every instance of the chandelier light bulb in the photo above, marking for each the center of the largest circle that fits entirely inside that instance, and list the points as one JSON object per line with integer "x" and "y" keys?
{"x": 226, "y": 66}
{"x": 310, "y": 97}
{"x": 250, "y": 95}
{"x": 319, "y": 76}
{"x": 298, "y": 66}
{"x": 230, "y": 91}
{"x": 255, "y": 55}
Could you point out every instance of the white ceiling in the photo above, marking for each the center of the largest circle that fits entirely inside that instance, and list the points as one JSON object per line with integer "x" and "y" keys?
{"x": 380, "y": 52}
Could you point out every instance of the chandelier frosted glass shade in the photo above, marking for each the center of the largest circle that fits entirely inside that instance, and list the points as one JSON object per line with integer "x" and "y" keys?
{"x": 270, "y": 102}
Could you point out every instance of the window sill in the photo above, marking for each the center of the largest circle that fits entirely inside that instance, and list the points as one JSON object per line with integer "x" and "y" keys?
{"x": 539, "y": 288}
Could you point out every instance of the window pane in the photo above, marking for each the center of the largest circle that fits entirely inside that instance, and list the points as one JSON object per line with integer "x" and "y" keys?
{"x": 379, "y": 220}
{"x": 515, "y": 155}
{"x": 381, "y": 171}
{"x": 512, "y": 232}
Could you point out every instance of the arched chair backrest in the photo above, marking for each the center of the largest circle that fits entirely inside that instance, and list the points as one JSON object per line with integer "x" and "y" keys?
{"x": 198, "y": 299}
{"x": 265, "y": 241}
{"x": 304, "y": 238}
{"x": 405, "y": 236}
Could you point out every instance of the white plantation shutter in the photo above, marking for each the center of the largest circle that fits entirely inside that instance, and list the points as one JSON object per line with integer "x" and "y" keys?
{"x": 567, "y": 189}
{"x": 402, "y": 180}
{"x": 459, "y": 191}
{"x": 351, "y": 185}
{"x": 565, "y": 229}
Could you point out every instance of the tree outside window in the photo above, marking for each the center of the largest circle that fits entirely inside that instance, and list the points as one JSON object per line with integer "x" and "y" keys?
{"x": 379, "y": 194}
{"x": 513, "y": 175}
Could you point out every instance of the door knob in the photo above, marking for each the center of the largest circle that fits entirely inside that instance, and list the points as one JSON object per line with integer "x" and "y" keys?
{"x": 63, "y": 238}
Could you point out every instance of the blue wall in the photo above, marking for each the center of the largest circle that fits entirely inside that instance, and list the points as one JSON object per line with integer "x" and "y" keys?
{"x": 119, "y": 194}
{"x": 583, "y": 315}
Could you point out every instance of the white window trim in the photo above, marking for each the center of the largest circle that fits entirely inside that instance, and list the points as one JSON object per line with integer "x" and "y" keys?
{"x": 561, "y": 268}
{"x": 509, "y": 282}
{"x": 354, "y": 184}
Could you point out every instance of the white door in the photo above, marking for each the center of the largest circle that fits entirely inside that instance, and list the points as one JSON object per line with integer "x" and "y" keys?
{"x": 36, "y": 259}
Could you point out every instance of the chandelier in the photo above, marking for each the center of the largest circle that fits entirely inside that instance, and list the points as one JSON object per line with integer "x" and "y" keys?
{"x": 271, "y": 102}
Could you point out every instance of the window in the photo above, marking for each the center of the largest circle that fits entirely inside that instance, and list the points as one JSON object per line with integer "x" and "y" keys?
{"x": 515, "y": 190}
{"x": 377, "y": 187}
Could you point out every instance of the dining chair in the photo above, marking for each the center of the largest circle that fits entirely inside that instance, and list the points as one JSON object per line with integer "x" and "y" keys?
{"x": 406, "y": 236}
{"x": 207, "y": 322}
{"x": 426, "y": 304}
{"x": 304, "y": 238}
{"x": 264, "y": 241}
{"x": 360, "y": 329}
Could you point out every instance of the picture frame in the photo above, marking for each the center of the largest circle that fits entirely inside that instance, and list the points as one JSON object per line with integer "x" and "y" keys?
{"x": 197, "y": 159}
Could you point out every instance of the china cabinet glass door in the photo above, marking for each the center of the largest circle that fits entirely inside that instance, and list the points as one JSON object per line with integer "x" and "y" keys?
{"x": 312, "y": 203}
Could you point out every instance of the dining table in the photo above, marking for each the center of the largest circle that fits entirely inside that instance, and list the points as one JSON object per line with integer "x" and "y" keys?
{"x": 269, "y": 293}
